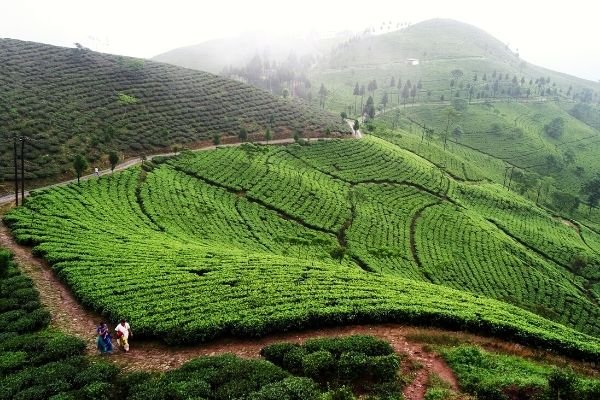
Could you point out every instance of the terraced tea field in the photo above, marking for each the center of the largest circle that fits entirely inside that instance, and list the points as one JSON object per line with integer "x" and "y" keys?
{"x": 256, "y": 239}
{"x": 70, "y": 101}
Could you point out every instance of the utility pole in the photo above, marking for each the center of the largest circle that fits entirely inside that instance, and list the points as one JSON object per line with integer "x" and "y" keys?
{"x": 23, "y": 138}
{"x": 16, "y": 170}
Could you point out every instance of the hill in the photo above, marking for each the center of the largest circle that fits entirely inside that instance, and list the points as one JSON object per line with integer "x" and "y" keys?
{"x": 441, "y": 46}
{"x": 251, "y": 240}
{"x": 215, "y": 55}
{"x": 489, "y": 86}
{"x": 504, "y": 107}
{"x": 70, "y": 101}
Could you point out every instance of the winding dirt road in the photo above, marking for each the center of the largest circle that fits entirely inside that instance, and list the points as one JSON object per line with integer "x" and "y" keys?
{"x": 69, "y": 316}
{"x": 9, "y": 198}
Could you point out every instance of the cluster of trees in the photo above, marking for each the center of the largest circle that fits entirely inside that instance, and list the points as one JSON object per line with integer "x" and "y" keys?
{"x": 287, "y": 78}
{"x": 395, "y": 90}
{"x": 499, "y": 84}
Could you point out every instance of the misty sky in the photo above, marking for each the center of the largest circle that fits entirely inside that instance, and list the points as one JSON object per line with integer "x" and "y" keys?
{"x": 563, "y": 37}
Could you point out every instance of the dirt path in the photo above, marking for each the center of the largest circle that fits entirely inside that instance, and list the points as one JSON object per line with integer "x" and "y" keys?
{"x": 71, "y": 317}
{"x": 9, "y": 198}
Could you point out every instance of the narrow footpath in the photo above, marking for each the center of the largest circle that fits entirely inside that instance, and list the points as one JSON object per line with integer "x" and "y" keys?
{"x": 9, "y": 198}
{"x": 69, "y": 316}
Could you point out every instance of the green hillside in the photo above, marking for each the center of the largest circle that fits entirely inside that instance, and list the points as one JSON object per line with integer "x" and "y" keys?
{"x": 441, "y": 46}
{"x": 507, "y": 134}
{"x": 251, "y": 240}
{"x": 72, "y": 101}
{"x": 504, "y": 108}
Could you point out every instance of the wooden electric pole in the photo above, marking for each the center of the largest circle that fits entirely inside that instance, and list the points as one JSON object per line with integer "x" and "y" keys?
{"x": 16, "y": 170}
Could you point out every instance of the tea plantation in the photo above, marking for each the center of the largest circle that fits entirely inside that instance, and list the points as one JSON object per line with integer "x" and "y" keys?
{"x": 252, "y": 240}
{"x": 75, "y": 101}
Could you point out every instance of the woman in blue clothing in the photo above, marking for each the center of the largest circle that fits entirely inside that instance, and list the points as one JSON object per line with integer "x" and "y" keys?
{"x": 103, "y": 341}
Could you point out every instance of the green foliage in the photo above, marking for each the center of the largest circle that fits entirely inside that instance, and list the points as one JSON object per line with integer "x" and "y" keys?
{"x": 363, "y": 362}
{"x": 126, "y": 99}
{"x": 268, "y": 135}
{"x": 257, "y": 224}
{"x": 460, "y": 105}
{"x": 494, "y": 376}
{"x": 565, "y": 201}
{"x": 100, "y": 102}
{"x": 592, "y": 190}
{"x": 555, "y": 128}
{"x": 216, "y": 139}
{"x": 222, "y": 377}
{"x": 5, "y": 258}
{"x": 288, "y": 389}
{"x": 113, "y": 159}
{"x": 80, "y": 164}
{"x": 317, "y": 365}
{"x": 40, "y": 364}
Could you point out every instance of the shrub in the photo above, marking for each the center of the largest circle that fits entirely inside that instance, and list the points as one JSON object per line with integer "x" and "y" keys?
{"x": 11, "y": 360}
{"x": 343, "y": 393}
{"x": 292, "y": 361}
{"x": 352, "y": 366}
{"x": 96, "y": 391}
{"x": 318, "y": 365}
{"x": 293, "y": 388}
{"x": 5, "y": 258}
{"x": 561, "y": 384}
{"x": 277, "y": 352}
{"x": 384, "y": 368}
{"x": 367, "y": 345}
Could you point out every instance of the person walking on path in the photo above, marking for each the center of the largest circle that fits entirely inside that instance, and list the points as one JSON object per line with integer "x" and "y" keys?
{"x": 96, "y": 171}
{"x": 103, "y": 340}
{"x": 123, "y": 333}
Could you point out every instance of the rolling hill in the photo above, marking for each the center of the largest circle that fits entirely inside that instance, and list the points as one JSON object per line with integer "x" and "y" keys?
{"x": 72, "y": 100}
{"x": 503, "y": 106}
{"x": 251, "y": 240}
{"x": 491, "y": 88}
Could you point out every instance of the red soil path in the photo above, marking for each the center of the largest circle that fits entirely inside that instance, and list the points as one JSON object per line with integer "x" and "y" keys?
{"x": 69, "y": 316}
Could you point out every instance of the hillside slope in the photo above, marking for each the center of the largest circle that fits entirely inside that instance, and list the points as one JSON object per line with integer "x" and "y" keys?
{"x": 72, "y": 101}
{"x": 503, "y": 106}
{"x": 441, "y": 46}
{"x": 256, "y": 239}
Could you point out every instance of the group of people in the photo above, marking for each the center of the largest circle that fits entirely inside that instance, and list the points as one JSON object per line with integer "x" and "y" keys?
{"x": 104, "y": 339}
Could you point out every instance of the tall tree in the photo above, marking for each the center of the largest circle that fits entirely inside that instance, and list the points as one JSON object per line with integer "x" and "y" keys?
{"x": 370, "y": 107}
{"x": 384, "y": 101}
{"x": 592, "y": 190}
{"x": 243, "y": 134}
{"x": 362, "y": 96}
{"x": 356, "y": 93}
{"x": 555, "y": 128}
{"x": 80, "y": 164}
{"x": 113, "y": 159}
{"x": 406, "y": 92}
{"x": 322, "y": 96}
{"x": 451, "y": 116}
